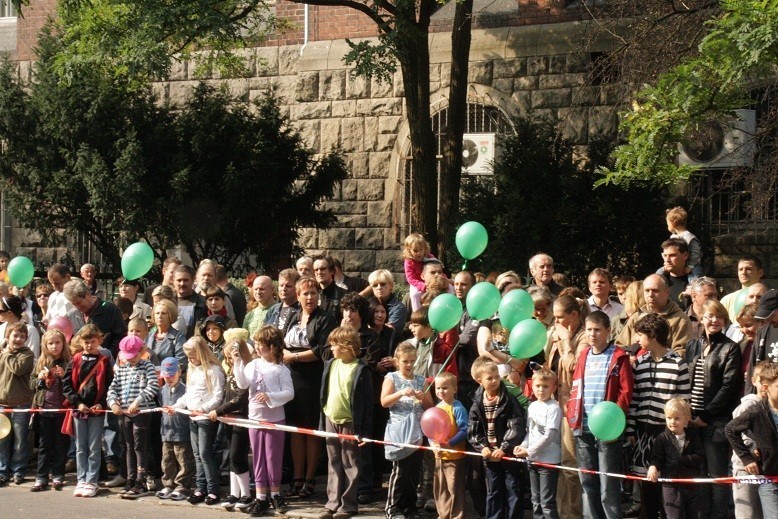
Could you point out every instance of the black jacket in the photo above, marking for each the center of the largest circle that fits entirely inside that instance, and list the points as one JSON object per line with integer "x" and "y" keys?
{"x": 329, "y": 300}
{"x": 723, "y": 378}
{"x": 759, "y": 421}
{"x": 510, "y": 422}
{"x": 765, "y": 347}
{"x": 360, "y": 397}
{"x": 674, "y": 463}
{"x": 236, "y": 400}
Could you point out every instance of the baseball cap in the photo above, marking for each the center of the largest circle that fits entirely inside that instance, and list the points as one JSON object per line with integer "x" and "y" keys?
{"x": 169, "y": 367}
{"x": 129, "y": 347}
{"x": 767, "y": 305}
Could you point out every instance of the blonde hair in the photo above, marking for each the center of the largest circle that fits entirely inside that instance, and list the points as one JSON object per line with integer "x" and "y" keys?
{"x": 76, "y": 345}
{"x": 405, "y": 348}
{"x": 677, "y": 216}
{"x": 633, "y": 297}
{"x": 678, "y": 405}
{"x": 544, "y": 374}
{"x": 447, "y": 377}
{"x": 171, "y": 308}
{"x": 747, "y": 312}
{"x": 346, "y": 337}
{"x": 46, "y": 360}
{"x": 714, "y": 307}
{"x": 481, "y": 365}
{"x": 243, "y": 350}
{"x": 197, "y": 347}
{"x": 411, "y": 242}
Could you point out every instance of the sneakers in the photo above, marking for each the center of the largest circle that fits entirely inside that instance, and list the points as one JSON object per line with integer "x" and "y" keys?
{"x": 229, "y": 502}
{"x": 139, "y": 490}
{"x": 211, "y": 499}
{"x": 279, "y": 503}
{"x": 164, "y": 493}
{"x": 244, "y": 503}
{"x": 79, "y": 490}
{"x": 178, "y": 496}
{"x": 116, "y": 482}
{"x": 19, "y": 479}
{"x": 196, "y": 497}
{"x": 89, "y": 490}
{"x": 261, "y": 506}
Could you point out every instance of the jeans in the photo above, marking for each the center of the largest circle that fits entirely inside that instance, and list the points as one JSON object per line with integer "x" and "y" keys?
{"x": 112, "y": 442}
{"x": 543, "y": 491}
{"x": 768, "y": 495}
{"x": 601, "y": 494}
{"x": 203, "y": 434}
{"x": 15, "y": 448}
{"x": 716, "y": 449}
{"x": 504, "y": 495}
{"x": 52, "y": 448}
{"x": 136, "y": 432}
{"x": 89, "y": 435}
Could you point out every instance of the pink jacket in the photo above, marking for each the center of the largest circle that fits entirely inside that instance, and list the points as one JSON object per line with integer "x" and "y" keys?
{"x": 413, "y": 273}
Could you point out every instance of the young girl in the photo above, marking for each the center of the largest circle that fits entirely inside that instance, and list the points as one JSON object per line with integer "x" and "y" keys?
{"x": 269, "y": 383}
{"x": 415, "y": 250}
{"x": 85, "y": 385}
{"x": 213, "y": 332}
{"x": 134, "y": 387}
{"x": 403, "y": 393}
{"x": 235, "y": 403}
{"x": 52, "y": 444}
{"x": 204, "y": 392}
{"x": 16, "y": 364}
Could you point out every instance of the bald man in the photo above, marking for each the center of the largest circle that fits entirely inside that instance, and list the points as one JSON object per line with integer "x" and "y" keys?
{"x": 657, "y": 295}
{"x": 262, "y": 297}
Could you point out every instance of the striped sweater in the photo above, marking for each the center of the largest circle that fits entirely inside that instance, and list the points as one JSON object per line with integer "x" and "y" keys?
{"x": 655, "y": 384}
{"x": 137, "y": 383}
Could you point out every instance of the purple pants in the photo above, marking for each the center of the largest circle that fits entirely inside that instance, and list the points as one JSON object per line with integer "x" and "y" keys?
{"x": 267, "y": 447}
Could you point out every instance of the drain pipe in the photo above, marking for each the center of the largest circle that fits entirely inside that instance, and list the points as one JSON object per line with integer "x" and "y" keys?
{"x": 305, "y": 30}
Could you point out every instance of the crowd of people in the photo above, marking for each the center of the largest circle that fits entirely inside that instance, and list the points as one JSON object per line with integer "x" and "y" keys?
{"x": 156, "y": 384}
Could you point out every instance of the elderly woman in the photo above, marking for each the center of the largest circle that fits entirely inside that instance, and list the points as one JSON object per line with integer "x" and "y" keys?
{"x": 164, "y": 292}
{"x": 40, "y": 304}
{"x": 164, "y": 340}
{"x": 306, "y": 348}
{"x": 382, "y": 284}
{"x": 542, "y": 299}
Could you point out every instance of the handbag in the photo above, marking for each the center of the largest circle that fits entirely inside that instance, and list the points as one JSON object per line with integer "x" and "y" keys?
{"x": 67, "y": 425}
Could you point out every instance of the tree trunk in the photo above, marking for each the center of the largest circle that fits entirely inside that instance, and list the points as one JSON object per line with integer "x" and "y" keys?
{"x": 451, "y": 164}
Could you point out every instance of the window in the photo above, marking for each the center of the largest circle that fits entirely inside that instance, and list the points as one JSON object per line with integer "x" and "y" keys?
{"x": 481, "y": 118}
{"x": 7, "y": 9}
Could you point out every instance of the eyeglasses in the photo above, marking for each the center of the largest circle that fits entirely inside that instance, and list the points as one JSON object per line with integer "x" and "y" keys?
{"x": 41, "y": 295}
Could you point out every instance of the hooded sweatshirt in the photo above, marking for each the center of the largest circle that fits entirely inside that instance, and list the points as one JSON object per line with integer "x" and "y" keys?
{"x": 745, "y": 402}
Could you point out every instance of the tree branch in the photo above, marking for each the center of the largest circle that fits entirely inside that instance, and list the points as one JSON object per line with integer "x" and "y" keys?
{"x": 357, "y": 6}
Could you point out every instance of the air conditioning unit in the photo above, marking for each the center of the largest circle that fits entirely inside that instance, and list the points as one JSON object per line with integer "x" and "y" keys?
{"x": 478, "y": 153}
{"x": 717, "y": 145}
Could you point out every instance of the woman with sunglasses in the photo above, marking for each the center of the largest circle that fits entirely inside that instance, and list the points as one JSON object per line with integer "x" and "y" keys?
{"x": 11, "y": 311}
{"x": 40, "y": 303}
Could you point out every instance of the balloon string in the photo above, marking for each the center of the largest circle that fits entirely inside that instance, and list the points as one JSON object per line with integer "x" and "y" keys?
{"x": 464, "y": 265}
{"x": 442, "y": 366}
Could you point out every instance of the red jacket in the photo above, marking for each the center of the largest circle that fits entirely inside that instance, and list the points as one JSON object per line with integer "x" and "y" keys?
{"x": 618, "y": 387}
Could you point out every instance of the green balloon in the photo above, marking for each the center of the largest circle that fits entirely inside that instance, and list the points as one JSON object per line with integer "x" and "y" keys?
{"x": 20, "y": 271}
{"x": 516, "y": 306}
{"x": 527, "y": 339}
{"x": 445, "y": 312}
{"x": 482, "y": 300}
{"x": 607, "y": 421}
{"x": 137, "y": 260}
{"x": 740, "y": 300}
{"x": 471, "y": 240}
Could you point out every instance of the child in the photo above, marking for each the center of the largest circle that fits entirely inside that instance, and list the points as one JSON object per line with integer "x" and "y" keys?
{"x": 134, "y": 388}
{"x": 16, "y": 364}
{"x": 404, "y": 394}
{"x": 660, "y": 374}
{"x": 432, "y": 349}
{"x": 269, "y": 383}
{"x": 204, "y": 392}
{"x": 213, "y": 333}
{"x": 449, "y": 483}
{"x": 543, "y": 443}
{"x": 678, "y": 453}
{"x": 236, "y": 402}
{"x": 603, "y": 372}
{"x": 85, "y": 385}
{"x": 760, "y": 420}
{"x": 178, "y": 464}
{"x": 497, "y": 424}
{"x": 347, "y": 408}
{"x": 415, "y": 250}
{"x": 215, "y": 302}
{"x": 53, "y": 445}
{"x": 676, "y": 224}
{"x": 620, "y": 283}
{"x": 746, "y": 496}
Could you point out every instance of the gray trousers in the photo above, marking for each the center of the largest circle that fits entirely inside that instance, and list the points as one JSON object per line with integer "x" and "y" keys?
{"x": 342, "y": 469}
{"x": 178, "y": 465}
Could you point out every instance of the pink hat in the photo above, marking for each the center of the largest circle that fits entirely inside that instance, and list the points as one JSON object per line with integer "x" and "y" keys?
{"x": 129, "y": 347}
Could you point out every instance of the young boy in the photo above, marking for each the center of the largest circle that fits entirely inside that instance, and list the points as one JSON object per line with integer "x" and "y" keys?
{"x": 677, "y": 453}
{"x": 134, "y": 388}
{"x": 676, "y": 224}
{"x": 497, "y": 424}
{"x": 603, "y": 373}
{"x": 762, "y": 422}
{"x": 746, "y": 495}
{"x": 449, "y": 479}
{"x": 543, "y": 443}
{"x": 178, "y": 464}
{"x": 433, "y": 349}
{"x": 347, "y": 408}
{"x": 660, "y": 374}
{"x": 620, "y": 283}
